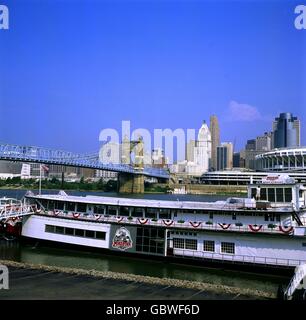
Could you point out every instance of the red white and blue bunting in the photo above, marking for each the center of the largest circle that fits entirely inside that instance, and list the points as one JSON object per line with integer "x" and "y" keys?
{"x": 168, "y": 223}
{"x": 119, "y": 219}
{"x": 285, "y": 229}
{"x": 224, "y": 226}
{"x": 195, "y": 224}
{"x": 143, "y": 220}
{"x": 255, "y": 227}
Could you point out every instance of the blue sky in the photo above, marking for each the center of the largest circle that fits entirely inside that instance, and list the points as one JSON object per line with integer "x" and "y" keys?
{"x": 68, "y": 69}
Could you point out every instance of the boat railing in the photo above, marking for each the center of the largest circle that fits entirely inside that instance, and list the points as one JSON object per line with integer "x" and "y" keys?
{"x": 18, "y": 209}
{"x": 186, "y": 253}
{"x": 178, "y": 224}
{"x": 303, "y": 220}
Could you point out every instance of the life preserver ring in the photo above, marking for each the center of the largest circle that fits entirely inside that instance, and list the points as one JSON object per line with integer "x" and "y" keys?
{"x": 143, "y": 220}
{"x": 38, "y": 210}
{"x": 286, "y": 230}
{"x": 56, "y": 213}
{"x": 168, "y": 223}
{"x": 195, "y": 224}
{"x": 97, "y": 216}
{"x": 255, "y": 228}
{"x": 224, "y": 226}
{"x": 76, "y": 214}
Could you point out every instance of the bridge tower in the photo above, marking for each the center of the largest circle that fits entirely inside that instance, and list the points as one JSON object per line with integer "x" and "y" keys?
{"x": 132, "y": 182}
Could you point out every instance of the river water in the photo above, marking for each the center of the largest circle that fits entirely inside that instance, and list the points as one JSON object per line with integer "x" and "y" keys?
{"x": 52, "y": 256}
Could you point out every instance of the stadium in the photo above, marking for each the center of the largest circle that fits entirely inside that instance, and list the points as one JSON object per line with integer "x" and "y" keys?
{"x": 287, "y": 159}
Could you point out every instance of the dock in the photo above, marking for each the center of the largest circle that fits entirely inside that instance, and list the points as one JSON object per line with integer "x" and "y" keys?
{"x": 53, "y": 283}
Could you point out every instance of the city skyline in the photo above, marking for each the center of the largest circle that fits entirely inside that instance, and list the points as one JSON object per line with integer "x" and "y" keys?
{"x": 172, "y": 74}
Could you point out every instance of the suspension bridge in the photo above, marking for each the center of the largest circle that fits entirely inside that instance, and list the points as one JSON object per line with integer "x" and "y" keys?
{"x": 130, "y": 177}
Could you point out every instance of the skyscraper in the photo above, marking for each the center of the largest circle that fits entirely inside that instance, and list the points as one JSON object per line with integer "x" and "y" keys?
{"x": 264, "y": 143}
{"x": 202, "y": 150}
{"x": 286, "y": 131}
{"x": 215, "y": 139}
{"x": 190, "y": 150}
{"x": 225, "y": 156}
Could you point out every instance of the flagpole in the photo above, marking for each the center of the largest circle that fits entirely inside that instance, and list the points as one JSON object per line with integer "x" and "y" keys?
{"x": 40, "y": 179}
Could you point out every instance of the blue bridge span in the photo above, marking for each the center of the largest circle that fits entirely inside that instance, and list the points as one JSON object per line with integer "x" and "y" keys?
{"x": 56, "y": 157}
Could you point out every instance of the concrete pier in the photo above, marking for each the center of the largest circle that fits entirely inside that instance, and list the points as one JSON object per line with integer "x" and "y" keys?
{"x": 130, "y": 183}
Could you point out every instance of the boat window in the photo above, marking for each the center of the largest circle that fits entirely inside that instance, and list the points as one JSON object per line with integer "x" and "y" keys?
{"x": 99, "y": 209}
{"x": 137, "y": 212}
{"x": 153, "y": 232}
{"x": 79, "y": 232}
{"x": 161, "y": 233}
{"x": 234, "y": 216}
{"x": 44, "y": 203}
{"x": 149, "y": 240}
{"x": 178, "y": 243}
{"x": 211, "y": 214}
{"x": 191, "y": 244}
{"x": 263, "y": 194}
{"x": 288, "y": 194}
{"x": 69, "y": 231}
{"x": 151, "y": 213}
{"x": 279, "y": 195}
{"x": 278, "y": 217}
{"x": 271, "y": 194}
{"x": 70, "y": 206}
{"x": 59, "y": 230}
{"x": 59, "y": 205}
{"x": 75, "y": 232}
{"x": 100, "y": 235}
{"x": 112, "y": 210}
{"x": 81, "y": 207}
{"x": 89, "y": 234}
{"x": 124, "y": 211}
{"x": 164, "y": 214}
{"x": 49, "y": 228}
{"x": 228, "y": 247}
{"x": 209, "y": 245}
{"x": 253, "y": 193}
{"x": 200, "y": 212}
{"x": 51, "y": 205}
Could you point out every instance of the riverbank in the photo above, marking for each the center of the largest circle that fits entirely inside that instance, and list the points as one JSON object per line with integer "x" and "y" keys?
{"x": 211, "y": 192}
{"x": 70, "y": 284}
{"x": 205, "y": 189}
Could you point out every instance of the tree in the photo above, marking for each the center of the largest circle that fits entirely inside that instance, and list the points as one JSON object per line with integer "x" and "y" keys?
{"x": 100, "y": 184}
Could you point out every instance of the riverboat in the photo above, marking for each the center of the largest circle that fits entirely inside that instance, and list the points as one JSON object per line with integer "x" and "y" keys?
{"x": 266, "y": 228}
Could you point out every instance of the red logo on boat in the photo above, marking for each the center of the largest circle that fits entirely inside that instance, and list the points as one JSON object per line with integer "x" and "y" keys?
{"x": 122, "y": 239}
